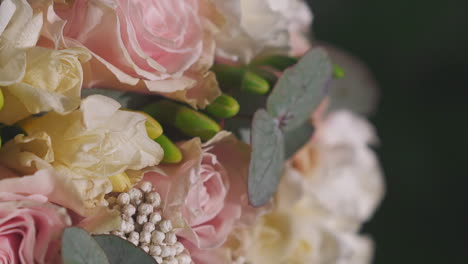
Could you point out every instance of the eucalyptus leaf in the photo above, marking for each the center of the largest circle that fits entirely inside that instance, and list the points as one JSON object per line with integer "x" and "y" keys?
{"x": 266, "y": 164}
{"x": 120, "y": 251}
{"x": 300, "y": 89}
{"x": 297, "y": 138}
{"x": 78, "y": 247}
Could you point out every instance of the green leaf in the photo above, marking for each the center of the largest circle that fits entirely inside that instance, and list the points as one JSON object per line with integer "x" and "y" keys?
{"x": 78, "y": 247}
{"x": 120, "y": 251}
{"x": 266, "y": 164}
{"x": 297, "y": 138}
{"x": 300, "y": 89}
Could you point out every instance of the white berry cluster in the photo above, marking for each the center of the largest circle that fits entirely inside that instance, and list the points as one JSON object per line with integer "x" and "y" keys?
{"x": 143, "y": 225}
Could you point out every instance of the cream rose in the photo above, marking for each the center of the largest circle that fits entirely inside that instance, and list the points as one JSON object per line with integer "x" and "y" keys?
{"x": 52, "y": 82}
{"x": 166, "y": 46}
{"x": 256, "y": 26}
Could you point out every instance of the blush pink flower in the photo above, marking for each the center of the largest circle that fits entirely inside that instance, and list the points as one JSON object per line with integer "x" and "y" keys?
{"x": 207, "y": 191}
{"x": 165, "y": 46}
{"x": 30, "y": 229}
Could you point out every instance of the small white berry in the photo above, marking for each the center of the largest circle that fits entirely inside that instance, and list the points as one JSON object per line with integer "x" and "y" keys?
{"x": 184, "y": 259}
{"x": 155, "y": 217}
{"x": 165, "y": 226}
{"x": 135, "y": 194}
{"x": 166, "y": 251}
{"x": 133, "y": 241}
{"x": 148, "y": 227}
{"x": 123, "y": 226}
{"x": 145, "y": 209}
{"x": 141, "y": 219}
{"x": 117, "y": 233}
{"x": 153, "y": 198}
{"x": 128, "y": 218}
{"x": 134, "y": 236}
{"x": 145, "y": 237}
{"x": 179, "y": 247}
{"x": 123, "y": 199}
{"x": 145, "y": 186}
{"x": 170, "y": 261}
{"x": 155, "y": 250}
{"x": 129, "y": 210}
{"x": 157, "y": 237}
{"x": 145, "y": 248}
{"x": 158, "y": 259}
{"x": 171, "y": 238}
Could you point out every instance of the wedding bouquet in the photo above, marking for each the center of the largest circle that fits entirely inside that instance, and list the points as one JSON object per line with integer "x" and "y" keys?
{"x": 181, "y": 131}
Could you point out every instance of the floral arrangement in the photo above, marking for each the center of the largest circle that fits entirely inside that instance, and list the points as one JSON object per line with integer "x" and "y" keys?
{"x": 181, "y": 131}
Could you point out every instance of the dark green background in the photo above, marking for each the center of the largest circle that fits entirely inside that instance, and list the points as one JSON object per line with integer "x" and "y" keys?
{"x": 418, "y": 51}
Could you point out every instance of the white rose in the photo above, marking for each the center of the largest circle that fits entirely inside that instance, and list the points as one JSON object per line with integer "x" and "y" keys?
{"x": 254, "y": 26}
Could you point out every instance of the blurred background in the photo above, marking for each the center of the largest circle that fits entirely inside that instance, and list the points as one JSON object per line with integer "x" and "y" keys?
{"x": 418, "y": 52}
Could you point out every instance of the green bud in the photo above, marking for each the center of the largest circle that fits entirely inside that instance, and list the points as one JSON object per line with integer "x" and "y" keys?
{"x": 185, "y": 119}
{"x": 172, "y": 153}
{"x": 153, "y": 128}
{"x": 278, "y": 62}
{"x": 253, "y": 83}
{"x": 228, "y": 75}
{"x": 269, "y": 76}
{"x": 2, "y": 100}
{"x": 224, "y": 106}
{"x": 338, "y": 72}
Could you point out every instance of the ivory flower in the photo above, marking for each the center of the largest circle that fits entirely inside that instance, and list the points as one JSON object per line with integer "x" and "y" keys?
{"x": 295, "y": 237}
{"x": 160, "y": 46}
{"x": 52, "y": 82}
{"x": 74, "y": 154}
{"x": 341, "y": 171}
{"x": 256, "y": 26}
{"x": 98, "y": 140}
{"x": 20, "y": 28}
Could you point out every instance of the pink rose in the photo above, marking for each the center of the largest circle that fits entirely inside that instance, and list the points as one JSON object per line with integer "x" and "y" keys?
{"x": 208, "y": 189}
{"x": 30, "y": 229}
{"x": 165, "y": 45}
{"x": 57, "y": 188}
